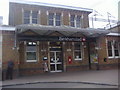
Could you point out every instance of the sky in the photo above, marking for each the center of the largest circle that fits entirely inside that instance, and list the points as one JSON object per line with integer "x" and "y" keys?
{"x": 101, "y": 6}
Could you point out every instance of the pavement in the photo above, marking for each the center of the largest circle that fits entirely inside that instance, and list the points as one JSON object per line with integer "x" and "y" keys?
{"x": 98, "y": 77}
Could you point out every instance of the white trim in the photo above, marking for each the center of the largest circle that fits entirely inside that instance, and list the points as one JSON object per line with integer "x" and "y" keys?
{"x": 62, "y": 21}
{"x": 7, "y": 28}
{"x": 69, "y": 20}
{"x": 39, "y": 17}
{"x": 113, "y": 34}
{"x": 78, "y": 59}
{"x": 47, "y": 13}
{"x": 22, "y": 15}
{"x": 1, "y": 42}
{"x": 31, "y": 60}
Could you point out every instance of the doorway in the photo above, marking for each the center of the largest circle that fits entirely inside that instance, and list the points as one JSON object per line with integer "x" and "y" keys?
{"x": 56, "y": 60}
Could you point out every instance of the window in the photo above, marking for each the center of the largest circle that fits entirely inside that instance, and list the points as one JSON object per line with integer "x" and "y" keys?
{"x": 116, "y": 49}
{"x": 75, "y": 21}
{"x": 54, "y": 19}
{"x": 30, "y": 17}
{"x": 51, "y": 19}
{"x": 78, "y": 23}
{"x": 72, "y": 20}
{"x": 77, "y": 51}
{"x": 113, "y": 49}
{"x": 34, "y": 17}
{"x": 26, "y": 17}
{"x": 110, "y": 49}
{"x": 31, "y": 52}
{"x": 58, "y": 19}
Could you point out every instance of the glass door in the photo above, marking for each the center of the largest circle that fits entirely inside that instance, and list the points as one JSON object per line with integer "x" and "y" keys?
{"x": 55, "y": 61}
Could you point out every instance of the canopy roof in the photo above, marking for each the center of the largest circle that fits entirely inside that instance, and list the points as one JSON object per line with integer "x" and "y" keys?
{"x": 64, "y": 30}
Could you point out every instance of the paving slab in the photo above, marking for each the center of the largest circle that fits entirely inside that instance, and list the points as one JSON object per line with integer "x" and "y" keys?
{"x": 108, "y": 77}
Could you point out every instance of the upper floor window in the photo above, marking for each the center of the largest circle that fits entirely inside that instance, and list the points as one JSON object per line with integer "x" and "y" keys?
{"x": 77, "y": 51}
{"x": 54, "y": 19}
{"x": 75, "y": 21}
{"x": 113, "y": 49}
{"x": 30, "y": 17}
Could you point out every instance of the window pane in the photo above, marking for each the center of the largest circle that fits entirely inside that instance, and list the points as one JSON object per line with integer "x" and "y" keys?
{"x": 77, "y": 24}
{"x": 77, "y": 55}
{"x": 77, "y": 46}
{"x": 31, "y": 55}
{"x": 34, "y": 14}
{"x": 26, "y": 14}
{"x": 110, "y": 48}
{"x": 31, "y": 48}
{"x": 78, "y": 18}
{"x": 116, "y": 45}
{"x": 116, "y": 53}
{"x": 51, "y": 15}
{"x": 110, "y": 53}
{"x": 72, "y": 18}
{"x": 58, "y": 16}
{"x": 31, "y": 43}
{"x": 116, "y": 50}
{"x": 72, "y": 24}
{"x": 34, "y": 21}
{"x": 51, "y": 22}
{"x": 58, "y": 23}
{"x": 26, "y": 21}
{"x": 109, "y": 45}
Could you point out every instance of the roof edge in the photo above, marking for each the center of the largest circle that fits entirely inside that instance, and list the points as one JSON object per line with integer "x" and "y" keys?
{"x": 7, "y": 28}
{"x": 52, "y": 5}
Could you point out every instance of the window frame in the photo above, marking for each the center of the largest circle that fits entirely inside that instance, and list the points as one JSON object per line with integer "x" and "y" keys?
{"x": 113, "y": 49}
{"x": 28, "y": 60}
{"x": 118, "y": 49}
{"x": 54, "y": 19}
{"x": 77, "y": 59}
{"x": 75, "y": 21}
{"x": 30, "y": 17}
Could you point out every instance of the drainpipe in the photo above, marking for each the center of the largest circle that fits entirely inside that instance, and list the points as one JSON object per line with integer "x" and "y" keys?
{"x": 15, "y": 47}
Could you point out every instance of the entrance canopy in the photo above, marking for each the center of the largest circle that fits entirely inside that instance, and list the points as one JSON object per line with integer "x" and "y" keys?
{"x": 68, "y": 31}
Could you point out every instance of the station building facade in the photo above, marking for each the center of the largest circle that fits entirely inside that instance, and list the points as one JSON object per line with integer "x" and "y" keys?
{"x": 55, "y": 38}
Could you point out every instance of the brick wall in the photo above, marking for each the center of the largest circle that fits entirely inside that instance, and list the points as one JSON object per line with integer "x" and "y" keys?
{"x": 9, "y": 52}
{"x": 16, "y": 14}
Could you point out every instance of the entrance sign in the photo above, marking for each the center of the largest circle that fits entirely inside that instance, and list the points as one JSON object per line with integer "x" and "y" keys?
{"x": 69, "y": 39}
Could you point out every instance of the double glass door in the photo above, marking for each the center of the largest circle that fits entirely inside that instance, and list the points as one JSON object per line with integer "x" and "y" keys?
{"x": 55, "y": 61}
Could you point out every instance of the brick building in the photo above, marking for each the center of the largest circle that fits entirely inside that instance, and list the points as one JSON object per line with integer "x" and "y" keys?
{"x": 55, "y": 38}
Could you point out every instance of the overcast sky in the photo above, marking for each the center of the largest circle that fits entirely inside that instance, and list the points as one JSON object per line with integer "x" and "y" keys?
{"x": 101, "y": 6}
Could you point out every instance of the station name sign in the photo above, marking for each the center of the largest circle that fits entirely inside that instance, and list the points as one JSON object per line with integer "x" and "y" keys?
{"x": 71, "y": 39}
